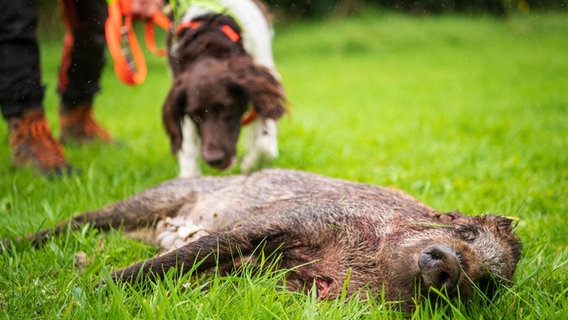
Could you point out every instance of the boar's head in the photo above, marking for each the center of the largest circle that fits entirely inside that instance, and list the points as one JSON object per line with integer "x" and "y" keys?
{"x": 467, "y": 255}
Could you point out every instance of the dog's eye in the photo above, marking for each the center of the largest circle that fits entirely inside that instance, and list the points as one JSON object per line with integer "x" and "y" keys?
{"x": 197, "y": 116}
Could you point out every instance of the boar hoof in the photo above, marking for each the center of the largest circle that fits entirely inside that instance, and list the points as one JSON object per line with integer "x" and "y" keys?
{"x": 439, "y": 267}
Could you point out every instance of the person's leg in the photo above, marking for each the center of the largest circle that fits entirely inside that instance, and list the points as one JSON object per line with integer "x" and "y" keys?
{"x": 21, "y": 91}
{"x": 20, "y": 79}
{"x": 81, "y": 67}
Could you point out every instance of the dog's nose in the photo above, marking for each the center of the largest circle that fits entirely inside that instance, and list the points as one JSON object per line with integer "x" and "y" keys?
{"x": 439, "y": 267}
{"x": 216, "y": 158}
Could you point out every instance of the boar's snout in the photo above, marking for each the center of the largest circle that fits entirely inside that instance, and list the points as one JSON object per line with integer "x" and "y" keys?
{"x": 439, "y": 267}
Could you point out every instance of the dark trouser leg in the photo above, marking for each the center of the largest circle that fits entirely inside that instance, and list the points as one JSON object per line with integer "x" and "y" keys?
{"x": 20, "y": 78}
{"x": 84, "y": 51}
{"x": 81, "y": 67}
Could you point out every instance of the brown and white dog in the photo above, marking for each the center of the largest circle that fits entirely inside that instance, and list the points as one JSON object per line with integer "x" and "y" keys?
{"x": 221, "y": 58}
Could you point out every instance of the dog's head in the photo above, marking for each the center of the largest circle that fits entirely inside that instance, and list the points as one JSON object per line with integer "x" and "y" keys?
{"x": 215, "y": 93}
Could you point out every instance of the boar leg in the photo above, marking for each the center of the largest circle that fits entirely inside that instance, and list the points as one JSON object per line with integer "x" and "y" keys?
{"x": 222, "y": 248}
{"x": 141, "y": 210}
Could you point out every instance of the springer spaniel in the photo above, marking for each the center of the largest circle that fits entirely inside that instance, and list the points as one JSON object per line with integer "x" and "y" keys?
{"x": 221, "y": 58}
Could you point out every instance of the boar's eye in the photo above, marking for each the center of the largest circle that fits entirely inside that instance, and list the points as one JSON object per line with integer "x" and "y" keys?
{"x": 468, "y": 233}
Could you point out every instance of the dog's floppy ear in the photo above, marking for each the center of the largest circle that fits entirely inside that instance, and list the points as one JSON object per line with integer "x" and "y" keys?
{"x": 261, "y": 87}
{"x": 172, "y": 113}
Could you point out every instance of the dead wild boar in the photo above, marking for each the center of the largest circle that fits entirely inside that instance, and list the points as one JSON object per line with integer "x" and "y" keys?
{"x": 323, "y": 228}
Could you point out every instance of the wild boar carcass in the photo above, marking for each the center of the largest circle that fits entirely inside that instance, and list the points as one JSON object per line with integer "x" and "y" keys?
{"x": 323, "y": 228}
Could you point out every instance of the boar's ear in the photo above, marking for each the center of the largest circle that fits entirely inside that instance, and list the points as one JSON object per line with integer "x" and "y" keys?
{"x": 506, "y": 224}
{"x": 261, "y": 87}
{"x": 172, "y": 113}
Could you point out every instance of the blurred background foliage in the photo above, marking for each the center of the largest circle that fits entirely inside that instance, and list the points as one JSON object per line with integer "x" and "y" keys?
{"x": 320, "y": 8}
{"x": 50, "y": 23}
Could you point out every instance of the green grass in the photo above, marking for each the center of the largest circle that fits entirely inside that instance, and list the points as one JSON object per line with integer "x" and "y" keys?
{"x": 462, "y": 113}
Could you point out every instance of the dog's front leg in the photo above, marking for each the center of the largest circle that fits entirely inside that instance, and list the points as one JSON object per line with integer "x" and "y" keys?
{"x": 261, "y": 143}
{"x": 188, "y": 155}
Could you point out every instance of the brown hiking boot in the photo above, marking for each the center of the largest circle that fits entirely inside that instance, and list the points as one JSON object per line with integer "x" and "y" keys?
{"x": 78, "y": 126}
{"x": 32, "y": 142}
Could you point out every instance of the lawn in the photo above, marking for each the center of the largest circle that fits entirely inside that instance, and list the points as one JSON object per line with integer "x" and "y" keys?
{"x": 464, "y": 113}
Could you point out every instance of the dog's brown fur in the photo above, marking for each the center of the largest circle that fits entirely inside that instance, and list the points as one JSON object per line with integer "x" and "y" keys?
{"x": 324, "y": 229}
{"x": 214, "y": 81}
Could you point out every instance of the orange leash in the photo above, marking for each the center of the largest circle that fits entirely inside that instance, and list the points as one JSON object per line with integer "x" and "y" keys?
{"x": 163, "y": 22}
{"x": 129, "y": 62}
